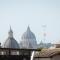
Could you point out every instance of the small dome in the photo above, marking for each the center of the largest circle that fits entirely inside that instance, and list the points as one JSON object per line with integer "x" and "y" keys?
{"x": 57, "y": 44}
{"x": 11, "y": 42}
{"x": 28, "y": 39}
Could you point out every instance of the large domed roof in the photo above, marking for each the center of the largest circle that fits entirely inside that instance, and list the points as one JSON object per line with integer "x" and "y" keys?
{"x": 28, "y": 34}
{"x": 11, "y": 42}
{"x": 28, "y": 39}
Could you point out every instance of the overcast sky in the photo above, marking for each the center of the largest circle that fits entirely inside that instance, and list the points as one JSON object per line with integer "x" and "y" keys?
{"x": 35, "y": 13}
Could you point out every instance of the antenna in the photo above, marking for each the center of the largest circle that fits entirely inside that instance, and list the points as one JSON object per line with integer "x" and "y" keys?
{"x": 44, "y": 32}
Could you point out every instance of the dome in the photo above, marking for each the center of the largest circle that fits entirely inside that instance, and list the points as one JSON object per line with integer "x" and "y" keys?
{"x": 28, "y": 39}
{"x": 57, "y": 44}
{"x": 28, "y": 34}
{"x": 11, "y": 42}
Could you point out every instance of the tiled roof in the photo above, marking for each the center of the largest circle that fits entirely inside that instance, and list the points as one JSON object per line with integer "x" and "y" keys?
{"x": 47, "y": 52}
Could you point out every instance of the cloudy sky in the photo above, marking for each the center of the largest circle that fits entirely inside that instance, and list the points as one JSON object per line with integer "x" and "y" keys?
{"x": 35, "y": 13}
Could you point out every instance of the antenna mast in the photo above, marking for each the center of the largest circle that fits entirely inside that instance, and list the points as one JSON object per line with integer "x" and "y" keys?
{"x": 44, "y": 32}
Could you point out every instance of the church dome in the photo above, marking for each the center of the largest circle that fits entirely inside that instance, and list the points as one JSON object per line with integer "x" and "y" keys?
{"x": 28, "y": 34}
{"x": 28, "y": 39}
{"x": 11, "y": 42}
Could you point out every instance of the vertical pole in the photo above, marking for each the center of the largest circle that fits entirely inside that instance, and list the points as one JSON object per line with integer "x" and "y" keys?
{"x": 44, "y": 33}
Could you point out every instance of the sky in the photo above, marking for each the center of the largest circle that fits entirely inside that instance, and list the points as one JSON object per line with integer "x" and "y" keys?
{"x": 34, "y": 13}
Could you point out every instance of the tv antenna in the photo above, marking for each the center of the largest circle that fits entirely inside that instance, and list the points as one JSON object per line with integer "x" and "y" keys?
{"x": 44, "y": 32}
